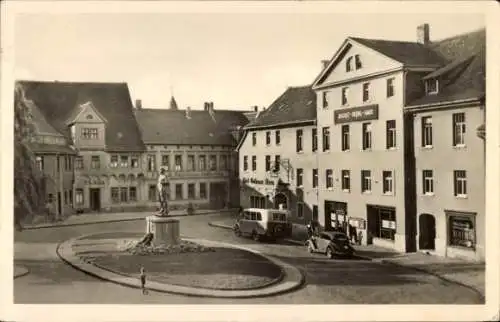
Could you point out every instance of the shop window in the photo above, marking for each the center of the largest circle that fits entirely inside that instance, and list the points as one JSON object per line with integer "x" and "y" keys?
{"x": 386, "y": 224}
{"x": 326, "y": 139}
{"x": 461, "y": 230}
{"x": 115, "y": 195}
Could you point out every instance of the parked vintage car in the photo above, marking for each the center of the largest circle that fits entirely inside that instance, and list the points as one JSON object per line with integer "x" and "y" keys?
{"x": 331, "y": 243}
{"x": 263, "y": 223}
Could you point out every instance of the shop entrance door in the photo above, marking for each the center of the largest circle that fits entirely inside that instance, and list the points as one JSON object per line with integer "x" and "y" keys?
{"x": 427, "y": 232}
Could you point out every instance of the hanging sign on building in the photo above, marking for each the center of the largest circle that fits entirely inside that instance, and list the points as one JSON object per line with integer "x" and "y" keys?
{"x": 389, "y": 224}
{"x": 356, "y": 114}
{"x": 266, "y": 182}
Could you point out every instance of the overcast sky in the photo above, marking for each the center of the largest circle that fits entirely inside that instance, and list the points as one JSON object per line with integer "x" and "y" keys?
{"x": 234, "y": 60}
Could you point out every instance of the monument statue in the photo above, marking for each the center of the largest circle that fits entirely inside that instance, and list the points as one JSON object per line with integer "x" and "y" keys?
{"x": 163, "y": 193}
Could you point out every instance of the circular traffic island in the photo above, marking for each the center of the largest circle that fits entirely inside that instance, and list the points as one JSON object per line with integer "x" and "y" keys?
{"x": 189, "y": 263}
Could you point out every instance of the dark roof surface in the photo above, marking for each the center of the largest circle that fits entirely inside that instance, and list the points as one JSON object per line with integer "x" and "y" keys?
{"x": 408, "y": 53}
{"x": 466, "y": 78}
{"x": 40, "y": 123}
{"x": 43, "y": 148}
{"x": 161, "y": 126}
{"x": 296, "y": 104}
{"x": 58, "y": 100}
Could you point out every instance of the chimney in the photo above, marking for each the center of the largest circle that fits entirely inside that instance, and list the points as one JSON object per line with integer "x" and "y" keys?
{"x": 138, "y": 104}
{"x": 188, "y": 112}
{"x": 324, "y": 63}
{"x": 205, "y": 106}
{"x": 211, "y": 110}
{"x": 423, "y": 34}
{"x": 255, "y": 108}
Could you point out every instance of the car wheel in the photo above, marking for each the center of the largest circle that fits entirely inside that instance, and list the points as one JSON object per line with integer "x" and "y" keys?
{"x": 329, "y": 252}
{"x": 255, "y": 236}
{"x": 237, "y": 231}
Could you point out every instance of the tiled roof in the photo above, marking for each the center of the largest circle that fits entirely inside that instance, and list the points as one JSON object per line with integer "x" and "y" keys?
{"x": 43, "y": 148}
{"x": 465, "y": 76}
{"x": 40, "y": 123}
{"x": 162, "y": 126}
{"x": 58, "y": 100}
{"x": 296, "y": 104}
{"x": 408, "y": 53}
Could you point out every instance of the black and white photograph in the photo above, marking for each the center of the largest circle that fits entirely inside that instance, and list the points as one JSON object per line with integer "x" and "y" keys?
{"x": 250, "y": 155}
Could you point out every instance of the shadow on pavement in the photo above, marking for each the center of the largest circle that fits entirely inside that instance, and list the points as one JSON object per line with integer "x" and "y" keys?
{"x": 54, "y": 272}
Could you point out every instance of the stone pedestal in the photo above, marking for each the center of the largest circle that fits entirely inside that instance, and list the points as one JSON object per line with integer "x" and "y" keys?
{"x": 166, "y": 231}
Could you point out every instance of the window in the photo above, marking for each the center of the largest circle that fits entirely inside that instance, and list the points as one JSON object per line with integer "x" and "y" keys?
{"x": 390, "y": 134}
{"x": 366, "y": 92}
{"x": 124, "y": 161}
{"x": 190, "y": 161}
{"x": 277, "y": 163}
{"x": 178, "y": 191}
{"x": 277, "y": 137}
{"x": 256, "y": 202}
{"x": 39, "y": 163}
{"x": 268, "y": 137}
{"x": 178, "y": 162}
{"x": 223, "y": 162}
{"x": 191, "y": 194}
{"x": 329, "y": 179}
{"x": 113, "y": 163}
{"x": 367, "y": 136}
{"x": 326, "y": 139}
{"x": 366, "y": 181}
{"x": 254, "y": 163}
{"x": 314, "y": 140}
{"x": 345, "y": 93}
{"x": 165, "y": 161}
{"x": 386, "y": 223}
{"x": 95, "y": 162}
{"x": 134, "y": 161}
{"x": 58, "y": 161}
{"x": 245, "y": 163}
{"x": 132, "y": 192}
{"x": 315, "y": 178}
{"x": 346, "y": 180}
{"x": 427, "y": 131}
{"x": 67, "y": 163}
{"x": 432, "y": 86}
{"x": 345, "y": 138}
{"x": 89, "y": 133}
{"x": 79, "y": 197}
{"x": 300, "y": 173}
{"x": 268, "y": 163}
{"x": 390, "y": 87}
{"x": 123, "y": 194}
{"x": 325, "y": 99}
{"x": 79, "y": 163}
{"x": 254, "y": 139}
{"x": 460, "y": 183}
{"x": 461, "y": 229}
{"x": 427, "y": 182}
{"x": 459, "y": 129}
{"x": 299, "y": 141}
{"x": 388, "y": 182}
{"x": 348, "y": 64}
{"x": 151, "y": 162}
{"x": 115, "y": 195}
{"x": 300, "y": 210}
{"x": 213, "y": 163}
{"x": 203, "y": 190}
{"x": 203, "y": 162}
{"x": 152, "y": 192}
{"x": 357, "y": 61}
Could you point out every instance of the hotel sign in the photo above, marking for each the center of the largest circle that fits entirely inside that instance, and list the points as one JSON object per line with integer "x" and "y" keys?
{"x": 356, "y": 114}
{"x": 256, "y": 181}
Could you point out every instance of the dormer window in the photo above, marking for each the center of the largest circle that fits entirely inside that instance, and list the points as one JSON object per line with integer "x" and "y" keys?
{"x": 432, "y": 86}
{"x": 348, "y": 64}
{"x": 357, "y": 62}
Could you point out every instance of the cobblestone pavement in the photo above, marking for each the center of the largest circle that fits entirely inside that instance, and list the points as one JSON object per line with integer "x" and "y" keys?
{"x": 327, "y": 281}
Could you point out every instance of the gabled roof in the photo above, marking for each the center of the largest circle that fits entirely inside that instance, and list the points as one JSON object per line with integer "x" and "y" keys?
{"x": 162, "y": 126}
{"x": 464, "y": 78}
{"x": 408, "y": 53}
{"x": 295, "y": 105}
{"x": 58, "y": 100}
{"x": 79, "y": 110}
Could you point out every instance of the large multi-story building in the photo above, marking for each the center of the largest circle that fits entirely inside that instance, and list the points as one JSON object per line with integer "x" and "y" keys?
{"x": 448, "y": 125}
{"x": 197, "y": 150}
{"x": 362, "y": 94}
{"x": 97, "y": 120}
{"x": 277, "y": 156}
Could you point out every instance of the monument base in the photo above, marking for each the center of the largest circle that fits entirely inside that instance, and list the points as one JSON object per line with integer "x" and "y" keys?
{"x": 166, "y": 231}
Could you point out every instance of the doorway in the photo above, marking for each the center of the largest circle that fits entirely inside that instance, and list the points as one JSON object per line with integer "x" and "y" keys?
{"x": 280, "y": 199}
{"x": 218, "y": 195}
{"x": 335, "y": 215}
{"x": 427, "y": 232}
{"x": 95, "y": 199}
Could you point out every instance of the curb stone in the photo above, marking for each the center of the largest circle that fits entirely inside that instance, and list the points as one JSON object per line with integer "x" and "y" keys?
{"x": 21, "y": 271}
{"x": 292, "y": 279}
{"x": 386, "y": 261}
{"x": 116, "y": 220}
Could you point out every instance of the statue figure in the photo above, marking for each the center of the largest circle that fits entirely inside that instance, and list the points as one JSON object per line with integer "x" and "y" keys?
{"x": 162, "y": 193}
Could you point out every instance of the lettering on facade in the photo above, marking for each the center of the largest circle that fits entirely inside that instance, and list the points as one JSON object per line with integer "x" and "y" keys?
{"x": 266, "y": 182}
{"x": 356, "y": 114}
